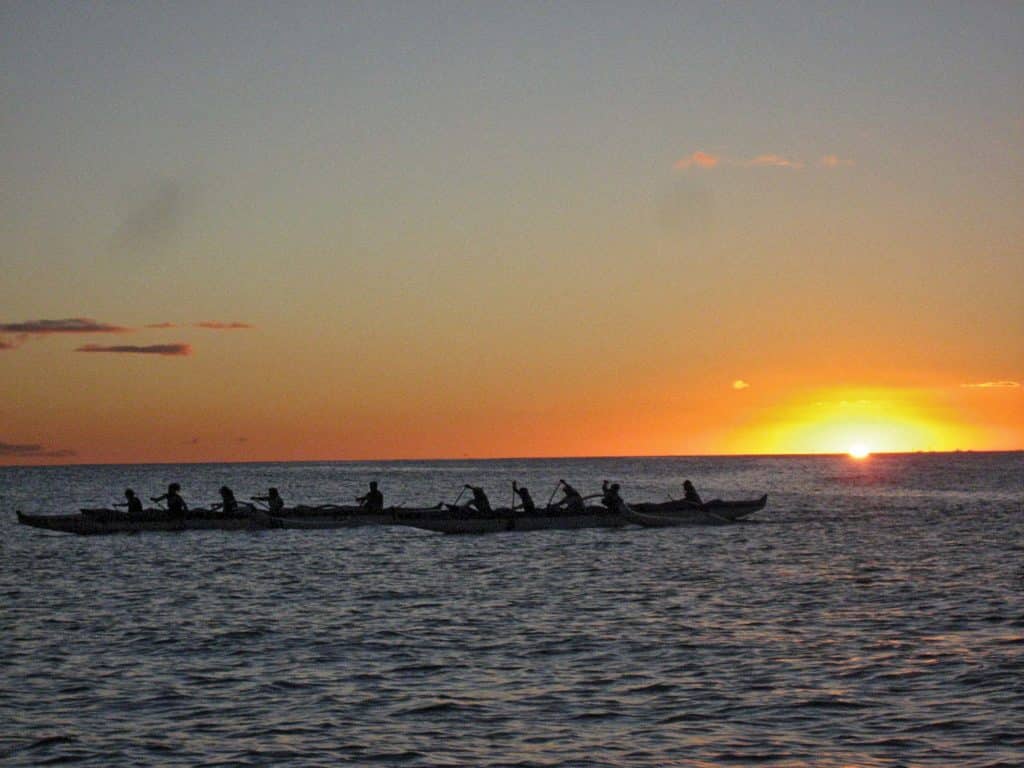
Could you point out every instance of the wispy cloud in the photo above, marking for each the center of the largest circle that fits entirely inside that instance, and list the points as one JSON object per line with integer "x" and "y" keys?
{"x": 774, "y": 161}
{"x": 834, "y": 161}
{"x": 171, "y": 350}
{"x": 33, "y": 450}
{"x": 708, "y": 160}
{"x": 218, "y": 326}
{"x": 67, "y": 325}
{"x": 697, "y": 160}
{"x": 161, "y": 325}
{"x": 740, "y": 384}
{"x": 992, "y": 385}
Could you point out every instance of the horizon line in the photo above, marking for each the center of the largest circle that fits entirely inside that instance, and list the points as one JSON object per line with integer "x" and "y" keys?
{"x": 407, "y": 460}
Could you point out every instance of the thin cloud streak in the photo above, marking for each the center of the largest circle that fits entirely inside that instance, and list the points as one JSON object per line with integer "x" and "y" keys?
{"x": 740, "y": 384}
{"x": 170, "y": 350}
{"x": 707, "y": 161}
{"x": 218, "y": 326}
{"x": 774, "y": 161}
{"x": 834, "y": 161}
{"x": 992, "y": 385}
{"x": 699, "y": 160}
{"x": 33, "y": 450}
{"x": 161, "y": 325}
{"x": 67, "y": 325}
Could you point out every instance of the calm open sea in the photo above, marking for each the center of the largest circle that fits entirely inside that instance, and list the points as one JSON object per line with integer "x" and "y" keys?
{"x": 872, "y": 615}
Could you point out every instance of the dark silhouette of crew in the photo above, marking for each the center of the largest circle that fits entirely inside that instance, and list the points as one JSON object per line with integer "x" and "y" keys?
{"x": 175, "y": 504}
{"x": 610, "y": 497}
{"x": 227, "y": 504}
{"x": 373, "y": 500}
{"x": 571, "y": 500}
{"x": 690, "y": 493}
{"x": 132, "y": 501}
{"x": 479, "y": 502}
{"x": 273, "y": 500}
{"x": 523, "y": 493}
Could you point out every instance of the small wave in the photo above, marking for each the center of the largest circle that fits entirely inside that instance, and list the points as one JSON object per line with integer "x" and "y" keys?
{"x": 46, "y": 741}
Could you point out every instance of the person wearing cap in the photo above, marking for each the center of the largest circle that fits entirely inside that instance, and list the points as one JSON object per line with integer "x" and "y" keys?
{"x": 373, "y": 500}
{"x": 175, "y": 504}
{"x": 133, "y": 502}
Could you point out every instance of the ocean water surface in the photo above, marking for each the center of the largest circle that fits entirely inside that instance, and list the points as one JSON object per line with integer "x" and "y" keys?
{"x": 871, "y": 615}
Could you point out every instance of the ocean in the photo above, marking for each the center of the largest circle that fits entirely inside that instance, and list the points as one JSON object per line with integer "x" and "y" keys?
{"x": 871, "y": 615}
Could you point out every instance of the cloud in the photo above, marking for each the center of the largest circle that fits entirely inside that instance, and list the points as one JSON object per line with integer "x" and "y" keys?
{"x": 161, "y": 325}
{"x": 5, "y": 345}
{"x": 992, "y": 385}
{"x": 707, "y": 160}
{"x": 774, "y": 161}
{"x": 68, "y": 325}
{"x": 697, "y": 160}
{"x": 33, "y": 450}
{"x": 740, "y": 384}
{"x": 170, "y": 350}
{"x": 834, "y": 161}
{"x": 156, "y": 219}
{"x": 217, "y": 326}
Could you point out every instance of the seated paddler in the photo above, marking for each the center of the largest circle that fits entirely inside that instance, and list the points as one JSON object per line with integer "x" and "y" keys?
{"x": 132, "y": 501}
{"x": 526, "y": 500}
{"x": 690, "y": 493}
{"x": 373, "y": 500}
{"x": 273, "y": 500}
{"x": 610, "y": 497}
{"x": 479, "y": 502}
{"x": 227, "y": 504}
{"x": 175, "y": 504}
{"x": 571, "y": 500}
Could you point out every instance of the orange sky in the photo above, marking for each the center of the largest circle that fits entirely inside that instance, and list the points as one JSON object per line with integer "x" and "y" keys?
{"x": 518, "y": 232}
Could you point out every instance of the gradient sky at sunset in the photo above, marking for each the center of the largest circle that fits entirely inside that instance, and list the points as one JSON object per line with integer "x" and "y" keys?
{"x": 246, "y": 231}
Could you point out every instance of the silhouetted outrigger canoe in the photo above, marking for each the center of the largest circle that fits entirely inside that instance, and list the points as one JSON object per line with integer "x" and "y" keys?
{"x": 710, "y": 511}
{"x": 439, "y": 519}
{"x": 331, "y": 516}
{"x": 504, "y": 519}
{"x": 91, "y": 522}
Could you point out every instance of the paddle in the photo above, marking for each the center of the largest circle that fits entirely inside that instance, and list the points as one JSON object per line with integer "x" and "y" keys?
{"x": 552, "y": 496}
{"x": 459, "y": 497}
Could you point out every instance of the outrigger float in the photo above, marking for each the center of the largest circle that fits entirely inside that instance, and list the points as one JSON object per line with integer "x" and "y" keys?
{"x": 440, "y": 519}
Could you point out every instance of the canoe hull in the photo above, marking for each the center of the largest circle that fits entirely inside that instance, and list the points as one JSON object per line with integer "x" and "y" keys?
{"x": 506, "y": 520}
{"x": 97, "y": 522}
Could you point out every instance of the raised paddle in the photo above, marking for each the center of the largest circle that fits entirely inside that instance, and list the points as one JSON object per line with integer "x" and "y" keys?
{"x": 459, "y": 497}
{"x": 552, "y": 496}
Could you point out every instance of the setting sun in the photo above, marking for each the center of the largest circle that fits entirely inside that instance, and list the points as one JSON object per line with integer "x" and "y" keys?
{"x": 859, "y": 451}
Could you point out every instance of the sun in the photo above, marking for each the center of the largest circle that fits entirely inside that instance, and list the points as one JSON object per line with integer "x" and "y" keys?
{"x": 859, "y": 451}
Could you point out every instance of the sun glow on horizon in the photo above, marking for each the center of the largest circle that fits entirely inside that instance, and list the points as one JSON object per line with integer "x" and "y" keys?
{"x": 858, "y": 423}
{"x": 859, "y": 451}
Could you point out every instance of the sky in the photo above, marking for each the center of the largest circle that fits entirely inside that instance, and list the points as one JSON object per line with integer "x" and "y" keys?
{"x": 301, "y": 231}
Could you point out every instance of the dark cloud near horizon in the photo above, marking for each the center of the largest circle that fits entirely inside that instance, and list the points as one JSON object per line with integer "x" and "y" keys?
{"x": 157, "y": 219}
{"x": 218, "y": 326}
{"x": 160, "y": 325}
{"x": 169, "y": 350}
{"x": 33, "y": 450}
{"x": 66, "y": 325}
